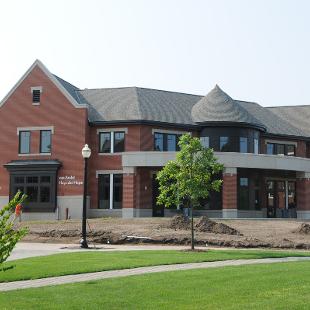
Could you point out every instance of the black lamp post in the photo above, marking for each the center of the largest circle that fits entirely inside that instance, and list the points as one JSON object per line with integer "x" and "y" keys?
{"x": 86, "y": 154}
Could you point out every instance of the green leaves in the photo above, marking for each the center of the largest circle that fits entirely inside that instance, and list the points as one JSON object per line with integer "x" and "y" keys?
{"x": 191, "y": 177}
{"x": 8, "y": 235}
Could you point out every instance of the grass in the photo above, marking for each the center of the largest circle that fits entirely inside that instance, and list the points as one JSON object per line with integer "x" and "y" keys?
{"x": 89, "y": 261}
{"x": 274, "y": 286}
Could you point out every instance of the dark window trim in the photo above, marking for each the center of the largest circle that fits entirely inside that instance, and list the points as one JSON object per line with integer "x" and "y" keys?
{"x": 19, "y": 141}
{"x": 99, "y": 144}
{"x": 41, "y": 131}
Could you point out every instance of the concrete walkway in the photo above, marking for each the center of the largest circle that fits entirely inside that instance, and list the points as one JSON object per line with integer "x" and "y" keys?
{"x": 139, "y": 271}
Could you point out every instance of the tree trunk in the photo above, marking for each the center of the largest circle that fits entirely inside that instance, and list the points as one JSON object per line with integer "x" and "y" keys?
{"x": 192, "y": 229}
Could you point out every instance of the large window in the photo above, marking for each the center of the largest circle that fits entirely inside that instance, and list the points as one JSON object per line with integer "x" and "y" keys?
{"x": 45, "y": 141}
{"x": 166, "y": 142}
{"x": 24, "y": 142}
{"x": 111, "y": 142}
{"x": 110, "y": 189}
{"x": 256, "y": 146}
{"x": 39, "y": 188}
{"x": 243, "y": 145}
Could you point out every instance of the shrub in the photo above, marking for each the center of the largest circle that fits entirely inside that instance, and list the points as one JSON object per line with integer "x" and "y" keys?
{"x": 9, "y": 235}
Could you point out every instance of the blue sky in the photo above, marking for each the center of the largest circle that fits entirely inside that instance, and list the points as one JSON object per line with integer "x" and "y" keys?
{"x": 255, "y": 50}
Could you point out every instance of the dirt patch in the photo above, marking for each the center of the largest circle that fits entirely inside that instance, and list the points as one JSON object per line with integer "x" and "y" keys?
{"x": 180, "y": 222}
{"x": 206, "y": 225}
{"x": 303, "y": 229}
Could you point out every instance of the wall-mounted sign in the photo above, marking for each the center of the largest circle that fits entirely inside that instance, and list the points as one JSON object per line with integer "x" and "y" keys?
{"x": 69, "y": 180}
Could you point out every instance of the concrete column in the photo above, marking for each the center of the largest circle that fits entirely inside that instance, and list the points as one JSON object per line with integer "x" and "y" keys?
{"x": 303, "y": 195}
{"x": 229, "y": 192}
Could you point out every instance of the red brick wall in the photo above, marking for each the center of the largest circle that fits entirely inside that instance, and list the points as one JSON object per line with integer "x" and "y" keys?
{"x": 54, "y": 110}
{"x": 129, "y": 190}
{"x": 229, "y": 191}
{"x": 144, "y": 188}
{"x": 301, "y": 150}
{"x": 303, "y": 194}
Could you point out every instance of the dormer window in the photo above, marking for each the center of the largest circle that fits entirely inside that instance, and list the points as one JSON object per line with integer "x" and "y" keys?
{"x": 36, "y": 95}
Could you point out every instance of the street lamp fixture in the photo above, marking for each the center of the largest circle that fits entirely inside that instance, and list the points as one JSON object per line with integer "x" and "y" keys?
{"x": 86, "y": 152}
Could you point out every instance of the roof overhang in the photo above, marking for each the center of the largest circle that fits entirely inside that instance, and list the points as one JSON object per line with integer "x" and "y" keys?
{"x": 33, "y": 165}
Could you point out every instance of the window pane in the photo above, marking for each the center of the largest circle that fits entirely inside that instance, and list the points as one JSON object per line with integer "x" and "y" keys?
{"x": 32, "y": 193}
{"x": 119, "y": 142}
{"x": 24, "y": 142}
{"x": 45, "y": 194}
{"x": 45, "y": 143}
{"x": 158, "y": 142}
{"x": 280, "y": 149}
{"x": 290, "y": 150}
{"x": 104, "y": 191}
{"x": 19, "y": 180}
{"x": 171, "y": 143}
{"x": 45, "y": 179}
{"x": 117, "y": 191}
{"x": 256, "y": 146}
{"x": 204, "y": 142}
{"x": 270, "y": 148}
{"x": 244, "y": 194}
{"x": 224, "y": 144}
{"x": 32, "y": 179}
{"x": 105, "y": 142}
{"x": 243, "y": 145}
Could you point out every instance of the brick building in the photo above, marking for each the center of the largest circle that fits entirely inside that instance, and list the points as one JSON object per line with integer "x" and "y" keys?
{"x": 45, "y": 122}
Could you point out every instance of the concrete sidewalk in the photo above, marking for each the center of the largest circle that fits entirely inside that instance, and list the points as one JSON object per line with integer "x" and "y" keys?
{"x": 139, "y": 271}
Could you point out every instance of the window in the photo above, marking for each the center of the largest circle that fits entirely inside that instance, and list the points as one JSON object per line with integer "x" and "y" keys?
{"x": 24, "y": 142}
{"x": 243, "y": 145}
{"x": 205, "y": 142}
{"x": 243, "y": 194}
{"x": 256, "y": 147}
{"x": 105, "y": 142}
{"x": 224, "y": 144}
{"x": 290, "y": 150}
{"x": 45, "y": 141}
{"x": 158, "y": 141}
{"x": 36, "y": 93}
{"x": 270, "y": 148}
{"x": 119, "y": 142}
{"x": 280, "y": 149}
{"x": 110, "y": 185}
{"x": 171, "y": 143}
{"x": 39, "y": 188}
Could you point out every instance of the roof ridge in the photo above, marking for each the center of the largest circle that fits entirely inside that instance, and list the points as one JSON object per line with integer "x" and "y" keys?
{"x": 289, "y": 106}
{"x": 138, "y": 101}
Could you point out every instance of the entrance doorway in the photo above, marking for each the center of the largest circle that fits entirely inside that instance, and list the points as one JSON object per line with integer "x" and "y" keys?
{"x": 158, "y": 211}
{"x": 281, "y": 199}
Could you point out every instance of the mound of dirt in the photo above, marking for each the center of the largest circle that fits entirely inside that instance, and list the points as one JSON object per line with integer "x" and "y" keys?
{"x": 304, "y": 229}
{"x": 207, "y": 225}
{"x": 180, "y": 222}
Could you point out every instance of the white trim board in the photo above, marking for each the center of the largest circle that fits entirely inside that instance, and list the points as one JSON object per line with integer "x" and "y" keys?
{"x": 51, "y": 77}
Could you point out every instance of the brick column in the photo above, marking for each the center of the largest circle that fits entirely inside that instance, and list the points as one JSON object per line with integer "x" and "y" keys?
{"x": 129, "y": 193}
{"x": 229, "y": 192}
{"x": 303, "y": 195}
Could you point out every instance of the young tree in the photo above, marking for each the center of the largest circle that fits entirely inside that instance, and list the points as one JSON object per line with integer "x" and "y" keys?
{"x": 8, "y": 235}
{"x": 190, "y": 177}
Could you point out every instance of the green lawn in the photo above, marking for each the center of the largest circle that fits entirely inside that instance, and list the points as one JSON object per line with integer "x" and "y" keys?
{"x": 274, "y": 286}
{"x": 91, "y": 261}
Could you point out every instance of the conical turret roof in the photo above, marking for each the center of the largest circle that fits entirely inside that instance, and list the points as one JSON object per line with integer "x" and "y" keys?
{"x": 217, "y": 106}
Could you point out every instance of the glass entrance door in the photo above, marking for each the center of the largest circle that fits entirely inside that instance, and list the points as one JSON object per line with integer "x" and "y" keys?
{"x": 157, "y": 210}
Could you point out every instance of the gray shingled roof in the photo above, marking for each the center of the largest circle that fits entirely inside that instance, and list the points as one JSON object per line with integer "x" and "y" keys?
{"x": 297, "y": 116}
{"x": 143, "y": 104}
{"x": 217, "y": 106}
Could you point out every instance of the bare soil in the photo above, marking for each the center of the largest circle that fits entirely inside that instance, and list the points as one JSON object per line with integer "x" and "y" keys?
{"x": 286, "y": 234}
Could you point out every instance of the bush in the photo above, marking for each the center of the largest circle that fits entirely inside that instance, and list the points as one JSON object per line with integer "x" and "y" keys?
{"x": 9, "y": 235}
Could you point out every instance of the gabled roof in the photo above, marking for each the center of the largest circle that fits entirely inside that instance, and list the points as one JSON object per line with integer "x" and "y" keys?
{"x": 217, "y": 106}
{"x": 62, "y": 85}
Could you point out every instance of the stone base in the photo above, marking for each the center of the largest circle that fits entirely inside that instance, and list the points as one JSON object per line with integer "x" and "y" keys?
{"x": 95, "y": 213}
{"x": 303, "y": 215}
{"x": 3, "y": 201}
{"x": 38, "y": 216}
{"x": 230, "y": 213}
{"x": 132, "y": 212}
